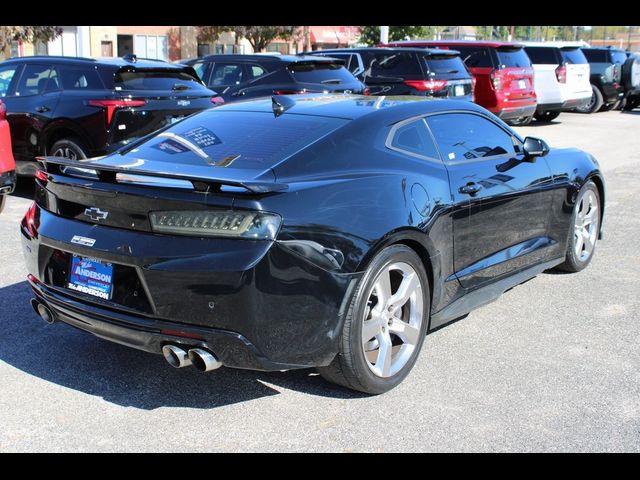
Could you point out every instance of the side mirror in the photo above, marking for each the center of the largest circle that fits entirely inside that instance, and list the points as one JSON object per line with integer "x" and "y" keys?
{"x": 535, "y": 147}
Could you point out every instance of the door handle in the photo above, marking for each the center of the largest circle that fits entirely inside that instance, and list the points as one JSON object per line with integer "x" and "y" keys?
{"x": 470, "y": 189}
{"x": 42, "y": 109}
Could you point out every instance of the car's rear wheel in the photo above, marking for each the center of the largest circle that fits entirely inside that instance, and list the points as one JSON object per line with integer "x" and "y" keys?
{"x": 70, "y": 148}
{"x": 521, "y": 122}
{"x": 546, "y": 116}
{"x": 594, "y": 104}
{"x": 585, "y": 228}
{"x": 3, "y": 199}
{"x": 630, "y": 105}
{"x": 385, "y": 325}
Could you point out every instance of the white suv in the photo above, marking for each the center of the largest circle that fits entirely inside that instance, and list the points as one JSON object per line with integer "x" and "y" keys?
{"x": 561, "y": 78}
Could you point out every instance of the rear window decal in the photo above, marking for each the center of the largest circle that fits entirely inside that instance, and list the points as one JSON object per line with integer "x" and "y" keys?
{"x": 202, "y": 137}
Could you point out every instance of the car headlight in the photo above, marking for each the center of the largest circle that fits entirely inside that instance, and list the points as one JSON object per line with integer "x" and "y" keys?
{"x": 212, "y": 223}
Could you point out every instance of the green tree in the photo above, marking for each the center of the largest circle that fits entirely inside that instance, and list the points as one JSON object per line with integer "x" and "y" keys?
{"x": 30, "y": 34}
{"x": 258, "y": 36}
{"x": 371, "y": 35}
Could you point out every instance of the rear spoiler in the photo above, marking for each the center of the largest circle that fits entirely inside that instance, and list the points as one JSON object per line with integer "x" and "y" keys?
{"x": 202, "y": 180}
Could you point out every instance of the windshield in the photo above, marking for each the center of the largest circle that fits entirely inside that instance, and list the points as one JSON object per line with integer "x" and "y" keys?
{"x": 513, "y": 57}
{"x": 573, "y": 55}
{"x": 220, "y": 138}
{"x": 156, "y": 80}
{"x": 444, "y": 64}
{"x": 321, "y": 72}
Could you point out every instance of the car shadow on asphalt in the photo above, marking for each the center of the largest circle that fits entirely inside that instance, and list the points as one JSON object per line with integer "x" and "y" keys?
{"x": 124, "y": 376}
{"x": 631, "y": 112}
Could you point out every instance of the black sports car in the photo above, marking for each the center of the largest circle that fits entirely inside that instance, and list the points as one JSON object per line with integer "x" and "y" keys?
{"x": 310, "y": 231}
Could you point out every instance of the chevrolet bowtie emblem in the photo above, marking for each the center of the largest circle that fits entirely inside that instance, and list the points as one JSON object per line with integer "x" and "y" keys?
{"x": 96, "y": 214}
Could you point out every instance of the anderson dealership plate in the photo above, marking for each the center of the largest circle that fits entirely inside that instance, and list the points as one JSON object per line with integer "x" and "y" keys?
{"x": 91, "y": 276}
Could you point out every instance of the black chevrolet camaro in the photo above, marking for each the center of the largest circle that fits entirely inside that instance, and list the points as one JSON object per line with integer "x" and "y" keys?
{"x": 319, "y": 231}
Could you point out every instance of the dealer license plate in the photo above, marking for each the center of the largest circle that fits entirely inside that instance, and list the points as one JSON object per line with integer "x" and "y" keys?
{"x": 91, "y": 276}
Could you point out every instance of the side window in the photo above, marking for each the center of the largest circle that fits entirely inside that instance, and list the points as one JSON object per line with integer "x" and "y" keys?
{"x": 78, "y": 78}
{"x": 414, "y": 138}
{"x": 255, "y": 71}
{"x": 33, "y": 80}
{"x": 462, "y": 137}
{"x": 225, "y": 74}
{"x": 6, "y": 75}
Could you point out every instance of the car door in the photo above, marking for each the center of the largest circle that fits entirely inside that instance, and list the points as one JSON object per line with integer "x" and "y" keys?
{"x": 502, "y": 198}
{"x": 30, "y": 105}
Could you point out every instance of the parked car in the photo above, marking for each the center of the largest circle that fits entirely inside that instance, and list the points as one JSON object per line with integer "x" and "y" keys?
{"x": 7, "y": 165}
{"x": 561, "y": 78}
{"x": 407, "y": 71}
{"x": 82, "y": 107}
{"x": 503, "y": 74}
{"x": 631, "y": 81}
{"x": 328, "y": 231}
{"x": 606, "y": 77}
{"x": 240, "y": 77}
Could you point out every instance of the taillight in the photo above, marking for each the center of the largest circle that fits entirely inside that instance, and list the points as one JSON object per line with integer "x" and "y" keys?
{"x": 31, "y": 221}
{"x": 217, "y": 100}
{"x": 496, "y": 80}
{"x": 427, "y": 85}
{"x": 561, "y": 74}
{"x": 110, "y": 106}
{"x": 3, "y": 111}
{"x": 42, "y": 176}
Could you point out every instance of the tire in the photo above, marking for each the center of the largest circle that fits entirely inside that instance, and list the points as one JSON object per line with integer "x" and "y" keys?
{"x": 546, "y": 116}
{"x": 70, "y": 148}
{"x": 3, "y": 200}
{"x": 358, "y": 365}
{"x": 587, "y": 207}
{"x": 594, "y": 104}
{"x": 609, "y": 106}
{"x": 521, "y": 122}
{"x": 630, "y": 105}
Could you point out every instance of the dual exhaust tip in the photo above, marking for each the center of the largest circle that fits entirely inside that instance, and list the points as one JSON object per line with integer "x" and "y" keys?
{"x": 202, "y": 359}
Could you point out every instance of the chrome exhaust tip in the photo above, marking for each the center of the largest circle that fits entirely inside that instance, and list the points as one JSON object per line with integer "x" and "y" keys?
{"x": 204, "y": 360}
{"x": 42, "y": 311}
{"x": 175, "y": 356}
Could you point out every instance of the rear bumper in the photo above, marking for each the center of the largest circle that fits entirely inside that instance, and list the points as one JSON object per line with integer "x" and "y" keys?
{"x": 7, "y": 182}
{"x": 256, "y": 305}
{"x": 510, "y": 113}
{"x": 563, "y": 106}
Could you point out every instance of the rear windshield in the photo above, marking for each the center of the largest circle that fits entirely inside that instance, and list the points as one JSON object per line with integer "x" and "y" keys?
{"x": 220, "y": 138}
{"x": 392, "y": 64}
{"x": 543, "y": 55}
{"x": 479, "y": 57}
{"x": 321, "y": 72}
{"x": 573, "y": 56}
{"x": 444, "y": 64}
{"x": 155, "y": 80}
{"x": 596, "y": 56}
{"x": 513, "y": 57}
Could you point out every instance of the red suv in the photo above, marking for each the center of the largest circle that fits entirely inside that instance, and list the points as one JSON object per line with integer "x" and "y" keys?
{"x": 502, "y": 72}
{"x": 7, "y": 165}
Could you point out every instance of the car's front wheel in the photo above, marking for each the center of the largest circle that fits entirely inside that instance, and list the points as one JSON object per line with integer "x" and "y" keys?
{"x": 70, "y": 148}
{"x": 585, "y": 228}
{"x": 385, "y": 325}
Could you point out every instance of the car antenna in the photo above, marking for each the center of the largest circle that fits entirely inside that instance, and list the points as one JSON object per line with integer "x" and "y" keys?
{"x": 281, "y": 103}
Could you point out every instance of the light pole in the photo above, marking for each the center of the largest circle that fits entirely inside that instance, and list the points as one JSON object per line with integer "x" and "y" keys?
{"x": 384, "y": 34}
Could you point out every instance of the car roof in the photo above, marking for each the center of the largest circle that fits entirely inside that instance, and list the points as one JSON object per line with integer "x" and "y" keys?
{"x": 460, "y": 43}
{"x": 117, "y": 62}
{"x": 258, "y": 58}
{"x": 605, "y": 49}
{"x": 556, "y": 44}
{"x": 430, "y": 51}
{"x": 352, "y": 107}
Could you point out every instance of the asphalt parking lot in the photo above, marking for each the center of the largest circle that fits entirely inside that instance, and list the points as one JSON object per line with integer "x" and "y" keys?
{"x": 554, "y": 365}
